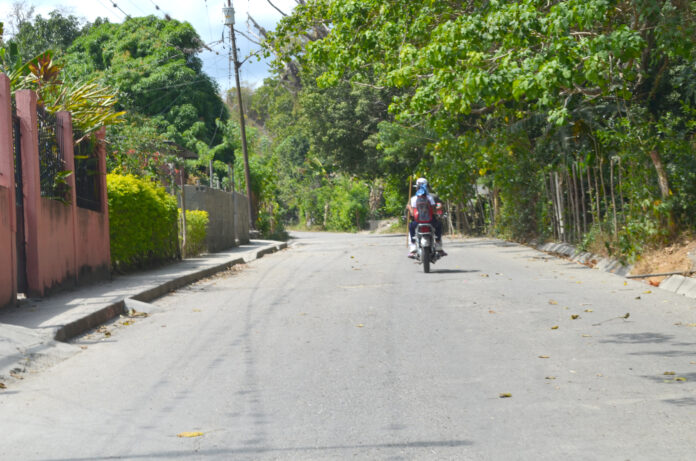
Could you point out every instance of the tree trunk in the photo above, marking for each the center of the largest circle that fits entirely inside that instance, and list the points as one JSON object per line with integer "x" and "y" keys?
{"x": 560, "y": 207}
{"x": 582, "y": 201}
{"x": 613, "y": 197}
{"x": 661, "y": 173}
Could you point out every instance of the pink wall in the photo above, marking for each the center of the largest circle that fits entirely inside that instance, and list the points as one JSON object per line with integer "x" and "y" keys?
{"x": 92, "y": 232}
{"x": 65, "y": 244}
{"x": 8, "y": 222}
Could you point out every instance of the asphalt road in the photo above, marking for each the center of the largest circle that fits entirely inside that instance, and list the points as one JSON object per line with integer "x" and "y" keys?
{"x": 342, "y": 348}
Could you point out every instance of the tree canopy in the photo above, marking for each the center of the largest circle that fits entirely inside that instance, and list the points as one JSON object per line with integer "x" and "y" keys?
{"x": 576, "y": 114}
{"x": 154, "y": 65}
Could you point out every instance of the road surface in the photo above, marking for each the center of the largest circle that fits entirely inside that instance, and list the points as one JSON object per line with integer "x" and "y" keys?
{"x": 342, "y": 348}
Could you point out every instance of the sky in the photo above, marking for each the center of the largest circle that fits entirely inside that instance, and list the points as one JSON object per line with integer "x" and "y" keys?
{"x": 204, "y": 15}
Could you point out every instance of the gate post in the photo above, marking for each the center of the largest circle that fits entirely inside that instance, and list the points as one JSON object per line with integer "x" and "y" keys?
{"x": 64, "y": 131}
{"x": 8, "y": 209}
{"x": 31, "y": 186}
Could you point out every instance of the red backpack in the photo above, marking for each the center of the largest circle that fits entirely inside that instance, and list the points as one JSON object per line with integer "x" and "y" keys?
{"x": 423, "y": 211}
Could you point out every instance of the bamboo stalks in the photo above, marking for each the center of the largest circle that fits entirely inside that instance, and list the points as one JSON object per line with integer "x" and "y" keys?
{"x": 613, "y": 198}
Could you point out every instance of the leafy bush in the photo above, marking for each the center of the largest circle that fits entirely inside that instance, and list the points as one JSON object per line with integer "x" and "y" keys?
{"x": 196, "y": 231}
{"x": 143, "y": 223}
{"x": 348, "y": 210}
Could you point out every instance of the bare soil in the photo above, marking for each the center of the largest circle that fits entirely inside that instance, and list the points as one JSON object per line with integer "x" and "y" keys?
{"x": 673, "y": 258}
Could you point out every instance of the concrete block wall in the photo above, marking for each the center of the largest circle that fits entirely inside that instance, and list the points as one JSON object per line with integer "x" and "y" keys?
{"x": 224, "y": 228}
{"x": 242, "y": 207}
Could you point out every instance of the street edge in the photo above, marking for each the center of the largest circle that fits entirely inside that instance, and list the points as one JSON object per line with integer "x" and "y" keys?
{"x": 121, "y": 307}
{"x": 679, "y": 284}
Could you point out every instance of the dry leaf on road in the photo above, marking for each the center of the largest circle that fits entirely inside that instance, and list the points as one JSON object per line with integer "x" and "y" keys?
{"x": 189, "y": 434}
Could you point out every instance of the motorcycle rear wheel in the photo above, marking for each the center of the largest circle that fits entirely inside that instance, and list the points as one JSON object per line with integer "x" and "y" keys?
{"x": 426, "y": 259}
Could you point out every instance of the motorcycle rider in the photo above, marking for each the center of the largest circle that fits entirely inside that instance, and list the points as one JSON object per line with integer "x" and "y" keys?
{"x": 436, "y": 203}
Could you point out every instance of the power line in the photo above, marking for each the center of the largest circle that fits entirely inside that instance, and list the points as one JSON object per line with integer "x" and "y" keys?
{"x": 119, "y": 8}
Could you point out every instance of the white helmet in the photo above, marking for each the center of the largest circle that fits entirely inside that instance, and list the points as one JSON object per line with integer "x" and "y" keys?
{"x": 421, "y": 182}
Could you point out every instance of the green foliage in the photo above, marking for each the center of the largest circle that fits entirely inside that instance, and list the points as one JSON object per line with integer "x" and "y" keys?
{"x": 576, "y": 115}
{"x": 137, "y": 147}
{"x": 143, "y": 223}
{"x": 153, "y": 64}
{"x": 56, "y": 33}
{"x": 347, "y": 205}
{"x": 196, "y": 231}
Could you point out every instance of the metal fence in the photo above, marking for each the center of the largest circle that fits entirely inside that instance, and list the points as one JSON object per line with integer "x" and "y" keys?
{"x": 51, "y": 164}
{"x": 87, "y": 172}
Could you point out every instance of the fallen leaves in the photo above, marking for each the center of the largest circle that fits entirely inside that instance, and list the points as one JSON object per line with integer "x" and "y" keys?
{"x": 575, "y": 316}
{"x": 189, "y": 434}
{"x": 589, "y": 310}
{"x": 552, "y": 302}
{"x": 544, "y": 357}
{"x": 550, "y": 378}
{"x": 360, "y": 325}
{"x": 505, "y": 395}
{"x": 669, "y": 373}
{"x": 555, "y": 327}
{"x": 2, "y": 386}
{"x": 135, "y": 314}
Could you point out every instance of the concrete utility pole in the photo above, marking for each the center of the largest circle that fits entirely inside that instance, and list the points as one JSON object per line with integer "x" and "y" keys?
{"x": 229, "y": 21}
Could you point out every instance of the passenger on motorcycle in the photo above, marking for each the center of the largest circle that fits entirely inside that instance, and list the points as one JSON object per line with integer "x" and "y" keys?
{"x": 435, "y": 203}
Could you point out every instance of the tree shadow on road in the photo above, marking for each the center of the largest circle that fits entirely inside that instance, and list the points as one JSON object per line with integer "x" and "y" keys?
{"x": 639, "y": 338}
{"x": 453, "y": 271}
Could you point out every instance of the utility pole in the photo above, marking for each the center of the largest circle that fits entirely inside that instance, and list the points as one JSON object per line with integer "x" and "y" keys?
{"x": 229, "y": 21}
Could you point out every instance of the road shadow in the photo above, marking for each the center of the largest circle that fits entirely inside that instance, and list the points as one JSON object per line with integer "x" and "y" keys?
{"x": 638, "y": 338}
{"x": 683, "y": 402}
{"x": 228, "y": 453}
{"x": 674, "y": 353}
{"x": 453, "y": 271}
{"x": 480, "y": 243}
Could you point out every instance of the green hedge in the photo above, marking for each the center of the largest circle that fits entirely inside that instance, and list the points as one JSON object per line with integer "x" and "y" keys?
{"x": 142, "y": 223}
{"x": 196, "y": 231}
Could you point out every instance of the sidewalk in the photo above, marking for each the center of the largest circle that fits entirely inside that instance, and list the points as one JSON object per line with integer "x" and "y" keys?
{"x": 37, "y": 326}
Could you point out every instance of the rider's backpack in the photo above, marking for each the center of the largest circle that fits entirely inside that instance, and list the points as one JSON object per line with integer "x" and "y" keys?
{"x": 423, "y": 211}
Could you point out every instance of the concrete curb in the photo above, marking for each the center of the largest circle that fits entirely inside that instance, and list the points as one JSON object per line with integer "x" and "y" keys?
{"x": 685, "y": 286}
{"x": 604, "y": 264}
{"x": 139, "y": 301}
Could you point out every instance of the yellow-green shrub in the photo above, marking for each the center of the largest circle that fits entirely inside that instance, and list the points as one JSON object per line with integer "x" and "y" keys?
{"x": 196, "y": 231}
{"x": 142, "y": 223}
